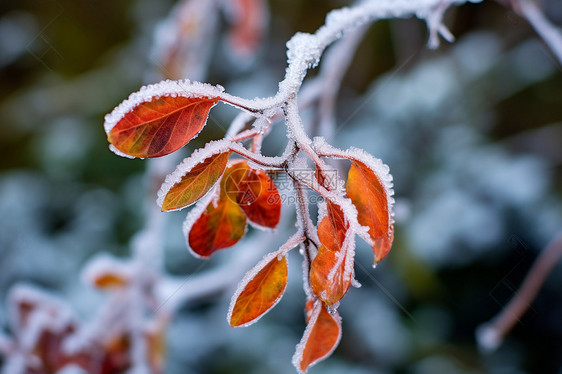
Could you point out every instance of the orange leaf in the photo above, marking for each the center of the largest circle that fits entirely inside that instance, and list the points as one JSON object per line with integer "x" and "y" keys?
{"x": 110, "y": 280}
{"x": 107, "y": 272}
{"x": 217, "y": 228}
{"x": 332, "y": 228}
{"x": 383, "y": 244}
{"x": 369, "y": 196}
{"x": 321, "y": 337}
{"x": 260, "y": 291}
{"x": 255, "y": 192}
{"x": 196, "y": 183}
{"x": 328, "y": 276}
{"x": 161, "y": 126}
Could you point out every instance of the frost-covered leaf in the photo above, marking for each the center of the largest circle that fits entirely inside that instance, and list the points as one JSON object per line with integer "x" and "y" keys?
{"x": 160, "y": 118}
{"x": 160, "y": 126}
{"x": 320, "y": 339}
{"x": 107, "y": 272}
{"x": 260, "y": 290}
{"x": 331, "y": 270}
{"x": 196, "y": 182}
{"x": 332, "y": 228}
{"x": 383, "y": 244}
{"x": 218, "y": 227}
{"x": 370, "y": 197}
{"x": 255, "y": 192}
{"x": 328, "y": 277}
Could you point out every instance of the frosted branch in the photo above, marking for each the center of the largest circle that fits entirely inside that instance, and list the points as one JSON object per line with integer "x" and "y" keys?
{"x": 551, "y": 34}
{"x": 304, "y": 50}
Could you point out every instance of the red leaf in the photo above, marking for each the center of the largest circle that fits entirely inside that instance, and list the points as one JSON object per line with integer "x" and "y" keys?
{"x": 217, "y": 228}
{"x": 262, "y": 289}
{"x": 370, "y": 197}
{"x": 196, "y": 183}
{"x": 161, "y": 126}
{"x": 329, "y": 277}
{"x": 320, "y": 339}
{"x": 255, "y": 192}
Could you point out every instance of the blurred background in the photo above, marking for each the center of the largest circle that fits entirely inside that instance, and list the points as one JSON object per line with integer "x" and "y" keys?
{"x": 472, "y": 133}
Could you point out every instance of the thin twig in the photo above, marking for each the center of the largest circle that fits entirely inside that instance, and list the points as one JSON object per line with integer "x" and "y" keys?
{"x": 491, "y": 334}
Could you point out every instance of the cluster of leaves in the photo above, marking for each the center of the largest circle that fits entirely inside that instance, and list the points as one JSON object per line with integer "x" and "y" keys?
{"x": 230, "y": 191}
{"x": 48, "y": 338}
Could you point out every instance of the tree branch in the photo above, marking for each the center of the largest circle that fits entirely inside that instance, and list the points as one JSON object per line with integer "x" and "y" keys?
{"x": 491, "y": 334}
{"x": 551, "y": 35}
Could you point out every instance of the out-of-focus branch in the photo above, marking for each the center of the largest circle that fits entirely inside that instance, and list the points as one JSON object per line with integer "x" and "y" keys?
{"x": 551, "y": 34}
{"x": 335, "y": 65}
{"x": 176, "y": 292}
{"x": 491, "y": 334}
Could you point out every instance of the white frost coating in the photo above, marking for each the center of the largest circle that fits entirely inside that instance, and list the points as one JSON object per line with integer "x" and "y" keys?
{"x": 355, "y": 283}
{"x": 262, "y": 124}
{"x": 434, "y": 21}
{"x": 248, "y": 278}
{"x": 304, "y": 50}
{"x": 297, "y": 357}
{"x": 322, "y": 211}
{"x": 195, "y": 213}
{"x": 72, "y": 369}
{"x": 183, "y": 88}
{"x": 105, "y": 264}
{"x": 197, "y": 157}
{"x": 119, "y": 153}
{"x": 275, "y": 161}
{"x": 381, "y": 170}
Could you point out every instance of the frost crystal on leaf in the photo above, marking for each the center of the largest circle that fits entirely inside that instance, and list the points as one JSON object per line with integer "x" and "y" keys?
{"x": 183, "y": 88}
{"x": 252, "y": 314}
{"x": 159, "y": 119}
{"x": 212, "y": 148}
